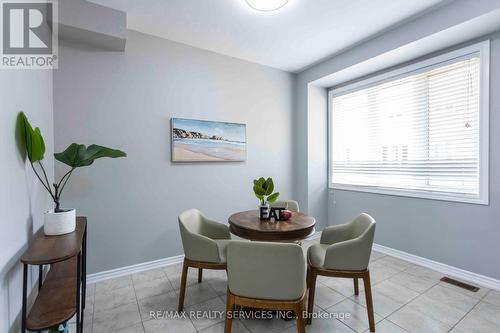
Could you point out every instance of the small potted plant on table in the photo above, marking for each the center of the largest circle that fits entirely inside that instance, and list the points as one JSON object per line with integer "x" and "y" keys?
{"x": 58, "y": 221}
{"x": 263, "y": 189}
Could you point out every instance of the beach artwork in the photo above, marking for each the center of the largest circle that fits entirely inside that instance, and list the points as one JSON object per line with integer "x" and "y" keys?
{"x": 207, "y": 141}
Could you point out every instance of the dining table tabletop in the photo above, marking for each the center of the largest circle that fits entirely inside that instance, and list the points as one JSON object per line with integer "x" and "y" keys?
{"x": 248, "y": 225}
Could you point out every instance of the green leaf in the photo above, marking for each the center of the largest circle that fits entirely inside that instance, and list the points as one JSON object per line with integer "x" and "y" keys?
{"x": 34, "y": 146}
{"x": 273, "y": 197}
{"x": 259, "y": 191}
{"x": 269, "y": 186}
{"x": 77, "y": 155}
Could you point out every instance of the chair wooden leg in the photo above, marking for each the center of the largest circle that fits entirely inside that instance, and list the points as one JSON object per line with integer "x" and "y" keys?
{"x": 369, "y": 301}
{"x": 299, "y": 313}
{"x": 229, "y": 316}
{"x": 200, "y": 274}
{"x": 356, "y": 286}
{"x": 182, "y": 291}
{"x": 310, "y": 298}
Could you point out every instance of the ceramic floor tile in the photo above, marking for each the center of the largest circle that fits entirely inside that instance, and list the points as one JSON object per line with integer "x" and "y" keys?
{"x": 152, "y": 288}
{"x": 385, "y": 326}
{"x": 149, "y": 275}
{"x": 198, "y": 293}
{"x": 117, "y": 318}
{"x": 416, "y": 322}
{"x": 113, "y": 284}
{"x": 393, "y": 263}
{"x": 413, "y": 282}
{"x": 113, "y": 298}
{"x": 379, "y": 273}
{"x": 395, "y": 291}
{"x": 382, "y": 304}
{"x": 488, "y": 312}
{"x": 484, "y": 318}
{"x": 341, "y": 285}
{"x": 138, "y": 328}
{"x": 175, "y": 269}
{"x": 155, "y": 307}
{"x": 218, "y": 281}
{"x": 237, "y": 327}
{"x": 207, "y": 313}
{"x": 352, "y": 314}
{"x": 424, "y": 272}
{"x": 437, "y": 310}
{"x": 192, "y": 279}
{"x": 90, "y": 289}
{"x": 170, "y": 325}
{"x": 451, "y": 297}
{"x": 325, "y": 297}
{"x": 323, "y": 325}
{"x": 493, "y": 297}
{"x": 271, "y": 325}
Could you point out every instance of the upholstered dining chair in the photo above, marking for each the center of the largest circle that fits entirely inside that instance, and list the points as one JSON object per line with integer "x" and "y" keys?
{"x": 344, "y": 251}
{"x": 204, "y": 242}
{"x": 263, "y": 275}
{"x": 289, "y": 204}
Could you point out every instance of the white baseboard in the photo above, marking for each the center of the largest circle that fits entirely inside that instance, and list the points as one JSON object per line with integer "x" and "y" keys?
{"x": 478, "y": 279}
{"x": 122, "y": 271}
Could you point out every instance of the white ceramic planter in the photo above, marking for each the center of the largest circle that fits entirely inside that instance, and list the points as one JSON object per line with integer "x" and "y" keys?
{"x": 59, "y": 223}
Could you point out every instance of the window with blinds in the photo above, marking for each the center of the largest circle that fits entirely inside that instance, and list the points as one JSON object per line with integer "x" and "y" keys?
{"x": 418, "y": 133}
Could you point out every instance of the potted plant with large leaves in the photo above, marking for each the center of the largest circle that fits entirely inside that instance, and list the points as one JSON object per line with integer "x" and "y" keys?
{"x": 58, "y": 221}
{"x": 263, "y": 189}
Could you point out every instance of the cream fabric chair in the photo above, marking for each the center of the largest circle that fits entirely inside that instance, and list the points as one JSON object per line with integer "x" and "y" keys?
{"x": 264, "y": 275}
{"x": 344, "y": 251}
{"x": 290, "y": 204}
{"x": 204, "y": 242}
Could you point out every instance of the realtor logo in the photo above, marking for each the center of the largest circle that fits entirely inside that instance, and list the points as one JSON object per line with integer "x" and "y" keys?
{"x": 29, "y": 34}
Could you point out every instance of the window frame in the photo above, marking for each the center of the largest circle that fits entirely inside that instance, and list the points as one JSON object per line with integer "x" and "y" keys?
{"x": 483, "y": 50}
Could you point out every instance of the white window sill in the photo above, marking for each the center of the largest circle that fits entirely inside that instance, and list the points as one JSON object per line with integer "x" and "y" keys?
{"x": 441, "y": 196}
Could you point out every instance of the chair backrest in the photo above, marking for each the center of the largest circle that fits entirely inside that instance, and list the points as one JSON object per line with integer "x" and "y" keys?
{"x": 197, "y": 246}
{"x": 362, "y": 224}
{"x": 192, "y": 220}
{"x": 263, "y": 270}
{"x": 289, "y": 204}
{"x": 354, "y": 252}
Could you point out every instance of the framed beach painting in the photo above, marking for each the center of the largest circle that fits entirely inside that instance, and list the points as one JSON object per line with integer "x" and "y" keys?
{"x": 207, "y": 141}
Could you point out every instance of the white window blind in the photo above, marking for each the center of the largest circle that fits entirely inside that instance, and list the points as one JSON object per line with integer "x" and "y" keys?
{"x": 419, "y": 132}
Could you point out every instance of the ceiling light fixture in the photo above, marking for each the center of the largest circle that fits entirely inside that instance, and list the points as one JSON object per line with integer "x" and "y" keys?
{"x": 266, "y": 5}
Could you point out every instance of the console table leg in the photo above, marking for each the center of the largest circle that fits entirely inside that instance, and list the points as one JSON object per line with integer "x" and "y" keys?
{"x": 25, "y": 287}
{"x": 84, "y": 269}
{"x": 78, "y": 295}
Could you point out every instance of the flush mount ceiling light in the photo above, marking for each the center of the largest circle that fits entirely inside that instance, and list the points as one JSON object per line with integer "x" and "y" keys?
{"x": 266, "y": 5}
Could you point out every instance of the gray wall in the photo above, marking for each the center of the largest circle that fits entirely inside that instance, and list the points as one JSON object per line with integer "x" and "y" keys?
{"x": 458, "y": 234}
{"x": 22, "y": 198}
{"x": 125, "y": 100}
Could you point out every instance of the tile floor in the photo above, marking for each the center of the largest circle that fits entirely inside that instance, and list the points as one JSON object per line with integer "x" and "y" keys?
{"x": 407, "y": 298}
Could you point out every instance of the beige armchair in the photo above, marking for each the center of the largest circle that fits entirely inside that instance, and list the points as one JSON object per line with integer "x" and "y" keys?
{"x": 263, "y": 275}
{"x": 289, "y": 204}
{"x": 344, "y": 251}
{"x": 204, "y": 242}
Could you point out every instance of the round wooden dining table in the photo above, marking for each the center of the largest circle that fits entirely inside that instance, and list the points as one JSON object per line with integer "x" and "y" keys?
{"x": 249, "y": 226}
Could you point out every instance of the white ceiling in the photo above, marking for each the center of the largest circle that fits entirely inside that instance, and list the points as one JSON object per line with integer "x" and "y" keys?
{"x": 292, "y": 38}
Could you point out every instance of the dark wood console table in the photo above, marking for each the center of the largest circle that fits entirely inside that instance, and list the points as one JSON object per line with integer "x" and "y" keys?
{"x": 62, "y": 294}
